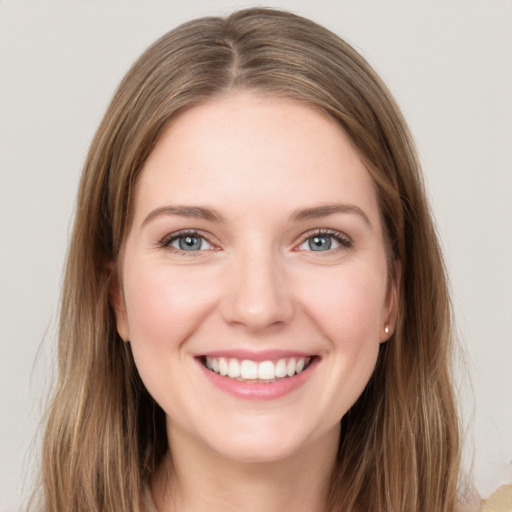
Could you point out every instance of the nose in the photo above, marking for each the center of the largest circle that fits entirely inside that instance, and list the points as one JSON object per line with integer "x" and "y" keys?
{"x": 257, "y": 294}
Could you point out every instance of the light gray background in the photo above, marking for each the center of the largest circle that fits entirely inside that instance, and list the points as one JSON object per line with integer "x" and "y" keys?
{"x": 448, "y": 63}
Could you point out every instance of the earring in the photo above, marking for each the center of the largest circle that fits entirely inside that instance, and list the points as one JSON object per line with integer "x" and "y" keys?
{"x": 386, "y": 329}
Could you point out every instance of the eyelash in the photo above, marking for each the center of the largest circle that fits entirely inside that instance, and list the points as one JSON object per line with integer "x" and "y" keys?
{"x": 341, "y": 238}
{"x": 166, "y": 242}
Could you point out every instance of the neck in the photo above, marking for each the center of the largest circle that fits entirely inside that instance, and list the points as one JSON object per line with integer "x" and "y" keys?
{"x": 198, "y": 479}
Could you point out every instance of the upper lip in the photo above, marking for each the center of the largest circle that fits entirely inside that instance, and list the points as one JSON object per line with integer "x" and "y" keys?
{"x": 261, "y": 355}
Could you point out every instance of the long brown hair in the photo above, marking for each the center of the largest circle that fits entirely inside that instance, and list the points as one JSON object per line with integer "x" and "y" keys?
{"x": 105, "y": 435}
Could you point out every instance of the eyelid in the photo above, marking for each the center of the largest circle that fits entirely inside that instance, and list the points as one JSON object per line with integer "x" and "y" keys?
{"x": 344, "y": 240}
{"x": 165, "y": 242}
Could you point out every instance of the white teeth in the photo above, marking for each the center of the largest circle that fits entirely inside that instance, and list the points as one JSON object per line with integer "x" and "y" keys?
{"x": 248, "y": 370}
{"x": 266, "y": 370}
{"x": 223, "y": 366}
{"x": 251, "y": 370}
{"x": 290, "y": 367}
{"x": 281, "y": 368}
{"x": 233, "y": 368}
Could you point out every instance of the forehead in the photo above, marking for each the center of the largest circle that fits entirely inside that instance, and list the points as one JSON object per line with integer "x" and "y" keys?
{"x": 246, "y": 150}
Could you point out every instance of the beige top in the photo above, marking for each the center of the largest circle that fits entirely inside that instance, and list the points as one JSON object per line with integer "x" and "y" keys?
{"x": 500, "y": 501}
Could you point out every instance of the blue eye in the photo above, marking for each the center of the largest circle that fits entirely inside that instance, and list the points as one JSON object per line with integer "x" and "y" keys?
{"x": 189, "y": 242}
{"x": 322, "y": 242}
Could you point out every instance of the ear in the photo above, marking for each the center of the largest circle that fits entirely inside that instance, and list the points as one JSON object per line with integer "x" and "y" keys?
{"x": 118, "y": 304}
{"x": 392, "y": 301}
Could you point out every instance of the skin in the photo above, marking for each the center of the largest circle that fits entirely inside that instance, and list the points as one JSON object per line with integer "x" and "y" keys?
{"x": 254, "y": 285}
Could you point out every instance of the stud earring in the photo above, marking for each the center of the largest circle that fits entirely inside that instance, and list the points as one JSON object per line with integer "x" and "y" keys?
{"x": 386, "y": 329}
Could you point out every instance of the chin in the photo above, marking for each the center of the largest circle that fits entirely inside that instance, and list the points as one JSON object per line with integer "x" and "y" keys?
{"x": 268, "y": 441}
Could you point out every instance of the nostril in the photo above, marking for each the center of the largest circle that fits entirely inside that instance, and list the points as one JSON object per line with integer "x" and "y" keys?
{"x": 257, "y": 296}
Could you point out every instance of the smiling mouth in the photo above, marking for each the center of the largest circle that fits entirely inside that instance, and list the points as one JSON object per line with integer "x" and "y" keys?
{"x": 262, "y": 372}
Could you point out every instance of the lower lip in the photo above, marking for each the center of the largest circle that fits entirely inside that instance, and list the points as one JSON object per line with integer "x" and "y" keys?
{"x": 258, "y": 390}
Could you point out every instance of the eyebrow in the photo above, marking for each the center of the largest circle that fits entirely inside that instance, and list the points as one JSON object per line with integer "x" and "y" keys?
{"x": 329, "y": 209}
{"x": 210, "y": 214}
{"x": 194, "y": 212}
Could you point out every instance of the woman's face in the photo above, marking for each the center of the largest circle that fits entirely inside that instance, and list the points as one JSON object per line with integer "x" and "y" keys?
{"x": 253, "y": 284}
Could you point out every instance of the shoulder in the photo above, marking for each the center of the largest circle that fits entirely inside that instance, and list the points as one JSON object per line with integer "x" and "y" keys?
{"x": 147, "y": 499}
{"x": 475, "y": 506}
{"x": 469, "y": 500}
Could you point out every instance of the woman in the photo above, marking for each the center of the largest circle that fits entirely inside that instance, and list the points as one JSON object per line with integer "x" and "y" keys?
{"x": 255, "y": 312}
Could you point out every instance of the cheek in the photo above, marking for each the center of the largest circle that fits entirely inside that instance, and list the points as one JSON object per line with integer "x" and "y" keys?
{"x": 348, "y": 303}
{"x": 347, "y": 308}
{"x": 164, "y": 306}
